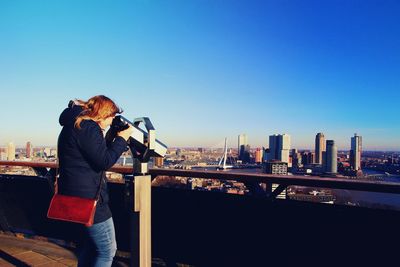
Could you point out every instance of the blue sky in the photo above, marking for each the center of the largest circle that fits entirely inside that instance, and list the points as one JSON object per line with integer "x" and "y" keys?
{"x": 205, "y": 70}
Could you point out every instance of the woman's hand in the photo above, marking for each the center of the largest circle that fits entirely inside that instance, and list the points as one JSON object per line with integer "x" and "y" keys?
{"x": 126, "y": 133}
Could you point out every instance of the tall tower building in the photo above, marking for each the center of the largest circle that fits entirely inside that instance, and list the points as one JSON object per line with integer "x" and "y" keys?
{"x": 10, "y": 151}
{"x": 296, "y": 158}
{"x": 273, "y": 148}
{"x": 331, "y": 157}
{"x": 307, "y": 158}
{"x": 29, "y": 150}
{"x": 259, "y": 155}
{"x": 304, "y": 158}
{"x": 355, "y": 152}
{"x": 243, "y": 148}
{"x": 284, "y": 144}
{"x": 279, "y": 147}
{"x": 319, "y": 148}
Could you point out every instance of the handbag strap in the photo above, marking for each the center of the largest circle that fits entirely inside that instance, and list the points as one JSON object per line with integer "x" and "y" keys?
{"x": 101, "y": 183}
{"x": 98, "y": 190}
{"x": 56, "y": 180}
{"x": 58, "y": 173}
{"x": 102, "y": 180}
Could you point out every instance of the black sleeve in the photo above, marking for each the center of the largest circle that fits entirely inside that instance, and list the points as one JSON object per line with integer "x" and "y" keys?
{"x": 94, "y": 148}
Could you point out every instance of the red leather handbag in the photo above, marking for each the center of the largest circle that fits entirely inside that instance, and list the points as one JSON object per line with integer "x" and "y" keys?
{"x": 71, "y": 208}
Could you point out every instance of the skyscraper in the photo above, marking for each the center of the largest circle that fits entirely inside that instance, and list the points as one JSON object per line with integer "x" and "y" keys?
{"x": 273, "y": 148}
{"x": 259, "y": 155}
{"x": 355, "y": 152}
{"x": 243, "y": 148}
{"x": 331, "y": 157}
{"x": 296, "y": 158}
{"x": 10, "y": 151}
{"x": 319, "y": 148}
{"x": 29, "y": 150}
{"x": 307, "y": 158}
{"x": 304, "y": 158}
{"x": 279, "y": 147}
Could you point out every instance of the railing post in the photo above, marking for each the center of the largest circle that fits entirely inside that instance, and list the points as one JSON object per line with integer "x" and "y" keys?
{"x": 134, "y": 230}
{"x": 142, "y": 204}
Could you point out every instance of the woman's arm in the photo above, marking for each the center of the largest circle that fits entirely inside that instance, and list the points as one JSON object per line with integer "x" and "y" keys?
{"x": 93, "y": 146}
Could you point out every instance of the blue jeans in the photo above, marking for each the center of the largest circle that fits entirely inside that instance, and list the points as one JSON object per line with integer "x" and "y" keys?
{"x": 100, "y": 245}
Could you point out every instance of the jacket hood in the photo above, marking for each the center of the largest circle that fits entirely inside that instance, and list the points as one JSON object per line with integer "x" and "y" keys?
{"x": 68, "y": 116}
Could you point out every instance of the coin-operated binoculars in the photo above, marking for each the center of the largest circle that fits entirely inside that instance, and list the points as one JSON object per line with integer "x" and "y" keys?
{"x": 143, "y": 145}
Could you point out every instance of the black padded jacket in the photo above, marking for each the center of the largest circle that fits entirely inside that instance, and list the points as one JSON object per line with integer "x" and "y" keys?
{"x": 84, "y": 157}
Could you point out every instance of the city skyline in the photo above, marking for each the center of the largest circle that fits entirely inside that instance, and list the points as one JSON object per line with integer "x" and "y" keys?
{"x": 241, "y": 138}
{"x": 295, "y": 67}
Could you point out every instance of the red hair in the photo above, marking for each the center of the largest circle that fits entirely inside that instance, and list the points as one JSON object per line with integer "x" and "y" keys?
{"x": 96, "y": 108}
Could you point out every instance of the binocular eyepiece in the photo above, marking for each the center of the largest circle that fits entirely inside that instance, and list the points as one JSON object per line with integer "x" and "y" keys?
{"x": 118, "y": 124}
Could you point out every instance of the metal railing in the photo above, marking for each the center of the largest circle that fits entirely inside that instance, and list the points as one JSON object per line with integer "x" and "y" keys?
{"x": 246, "y": 178}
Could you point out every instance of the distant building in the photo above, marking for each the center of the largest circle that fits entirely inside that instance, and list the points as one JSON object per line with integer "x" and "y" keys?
{"x": 265, "y": 155}
{"x": 40, "y": 153}
{"x": 29, "y": 150}
{"x": 296, "y": 158}
{"x": 53, "y": 152}
{"x": 47, "y": 152}
{"x": 319, "y": 148}
{"x": 3, "y": 155}
{"x": 279, "y": 147}
{"x": 243, "y": 148}
{"x": 159, "y": 161}
{"x": 259, "y": 155}
{"x": 10, "y": 151}
{"x": 355, "y": 152}
{"x": 331, "y": 157}
{"x": 242, "y": 141}
{"x": 307, "y": 158}
{"x": 276, "y": 167}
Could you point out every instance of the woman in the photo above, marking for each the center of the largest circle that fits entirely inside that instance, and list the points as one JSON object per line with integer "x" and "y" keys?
{"x": 84, "y": 157}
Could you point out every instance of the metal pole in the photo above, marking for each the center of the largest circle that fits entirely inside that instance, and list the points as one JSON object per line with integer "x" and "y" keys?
{"x": 134, "y": 232}
{"x": 141, "y": 218}
{"x": 143, "y": 206}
